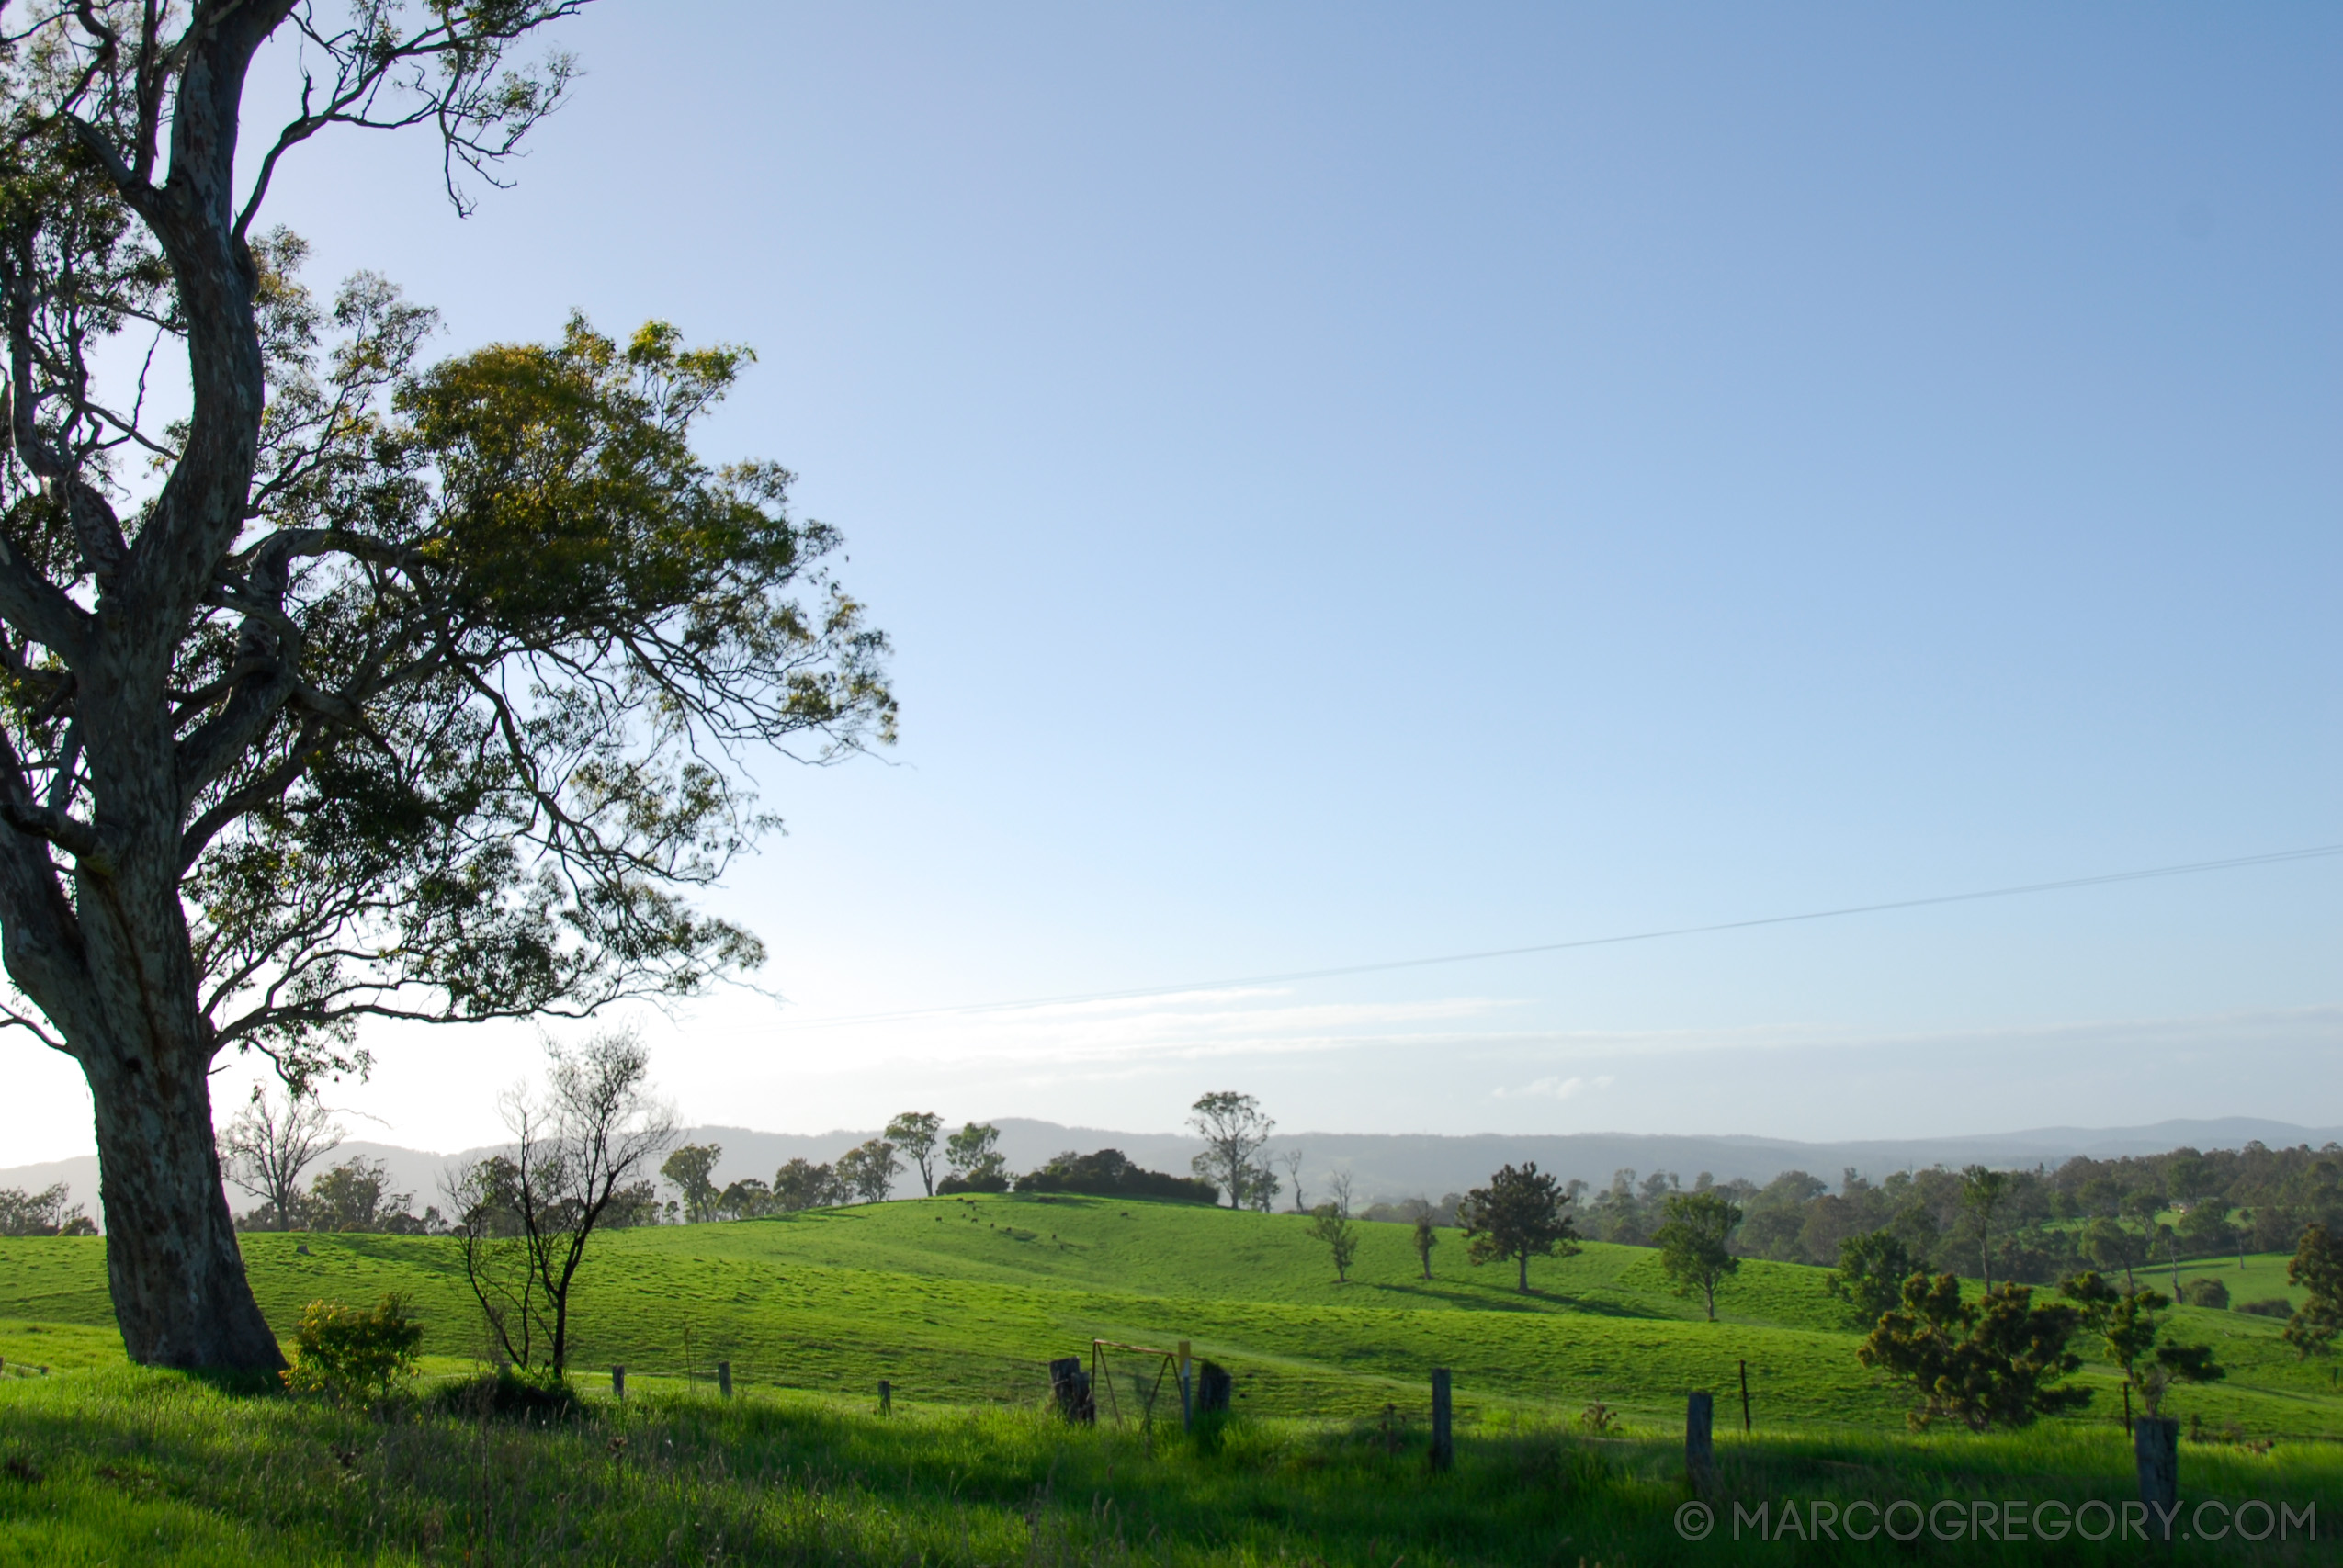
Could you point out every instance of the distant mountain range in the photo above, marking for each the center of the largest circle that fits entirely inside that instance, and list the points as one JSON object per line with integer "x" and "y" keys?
{"x": 1383, "y": 1165}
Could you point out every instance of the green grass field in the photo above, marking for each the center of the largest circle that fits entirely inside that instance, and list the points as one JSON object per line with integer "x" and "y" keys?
{"x": 961, "y": 1303}
{"x": 958, "y": 1302}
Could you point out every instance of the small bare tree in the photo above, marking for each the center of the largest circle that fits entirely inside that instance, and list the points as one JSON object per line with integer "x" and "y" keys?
{"x": 268, "y": 1145}
{"x": 1292, "y": 1160}
{"x": 1339, "y": 1185}
{"x": 523, "y": 1218}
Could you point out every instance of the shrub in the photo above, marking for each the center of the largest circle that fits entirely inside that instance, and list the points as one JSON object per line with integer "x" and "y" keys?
{"x": 980, "y": 1181}
{"x": 2205, "y": 1291}
{"x": 353, "y": 1355}
{"x": 1994, "y": 1362}
{"x": 512, "y": 1394}
{"x": 2273, "y": 1306}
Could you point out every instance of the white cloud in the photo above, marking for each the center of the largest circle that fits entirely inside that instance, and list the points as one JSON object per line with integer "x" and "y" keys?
{"x": 1554, "y": 1088}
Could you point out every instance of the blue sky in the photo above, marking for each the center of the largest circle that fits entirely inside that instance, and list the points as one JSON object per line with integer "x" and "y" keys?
{"x": 1355, "y": 482}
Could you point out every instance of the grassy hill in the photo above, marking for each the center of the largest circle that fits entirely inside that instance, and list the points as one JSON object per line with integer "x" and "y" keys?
{"x": 959, "y": 1300}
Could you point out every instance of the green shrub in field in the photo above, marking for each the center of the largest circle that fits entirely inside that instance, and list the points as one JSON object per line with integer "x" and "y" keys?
{"x": 2275, "y": 1306}
{"x": 1994, "y": 1362}
{"x": 2205, "y": 1293}
{"x": 354, "y": 1355}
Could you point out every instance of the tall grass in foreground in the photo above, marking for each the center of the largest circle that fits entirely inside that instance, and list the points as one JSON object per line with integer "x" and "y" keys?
{"x": 129, "y": 1466}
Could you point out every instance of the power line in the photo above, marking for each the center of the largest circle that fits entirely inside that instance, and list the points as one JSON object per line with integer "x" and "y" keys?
{"x": 2192, "y": 868}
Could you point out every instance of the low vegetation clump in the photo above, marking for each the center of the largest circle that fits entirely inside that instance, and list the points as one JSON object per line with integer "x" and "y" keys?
{"x": 355, "y": 1354}
{"x": 1109, "y": 1174}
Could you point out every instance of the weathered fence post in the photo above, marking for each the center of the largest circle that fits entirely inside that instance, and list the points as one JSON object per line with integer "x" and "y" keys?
{"x": 618, "y": 1381}
{"x": 1215, "y": 1389}
{"x": 1443, "y": 1437}
{"x": 1187, "y": 1394}
{"x": 1745, "y": 1397}
{"x": 886, "y": 1397}
{"x": 724, "y": 1379}
{"x": 1700, "y": 1448}
{"x": 1070, "y": 1385}
{"x": 2156, "y": 1446}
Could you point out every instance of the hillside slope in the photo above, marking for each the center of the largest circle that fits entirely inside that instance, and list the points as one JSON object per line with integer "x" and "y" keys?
{"x": 957, "y": 1299}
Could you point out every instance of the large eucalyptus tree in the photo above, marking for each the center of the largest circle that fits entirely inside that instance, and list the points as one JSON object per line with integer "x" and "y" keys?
{"x": 351, "y": 688}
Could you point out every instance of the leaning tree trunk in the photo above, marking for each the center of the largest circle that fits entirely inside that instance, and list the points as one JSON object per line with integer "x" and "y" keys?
{"x": 178, "y": 1280}
{"x": 146, "y": 1048}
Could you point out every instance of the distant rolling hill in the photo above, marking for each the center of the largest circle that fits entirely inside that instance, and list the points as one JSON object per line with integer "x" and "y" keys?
{"x": 1383, "y": 1165}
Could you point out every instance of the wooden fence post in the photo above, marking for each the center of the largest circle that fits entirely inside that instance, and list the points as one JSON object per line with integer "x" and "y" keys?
{"x": 886, "y": 1397}
{"x": 1443, "y": 1439}
{"x": 618, "y": 1381}
{"x": 1745, "y": 1398}
{"x": 724, "y": 1379}
{"x": 1700, "y": 1450}
{"x": 1187, "y": 1393}
{"x": 1071, "y": 1386}
{"x": 2156, "y": 1448}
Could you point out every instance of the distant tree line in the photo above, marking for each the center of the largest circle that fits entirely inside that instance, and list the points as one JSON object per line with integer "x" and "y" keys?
{"x": 2032, "y": 1226}
{"x": 969, "y": 1161}
{"x": 44, "y": 1212}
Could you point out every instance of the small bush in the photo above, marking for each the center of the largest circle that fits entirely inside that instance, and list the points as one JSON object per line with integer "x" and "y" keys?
{"x": 512, "y": 1395}
{"x": 352, "y": 1355}
{"x": 2275, "y": 1306}
{"x": 2204, "y": 1291}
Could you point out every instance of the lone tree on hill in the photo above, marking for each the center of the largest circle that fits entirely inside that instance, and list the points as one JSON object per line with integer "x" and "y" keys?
{"x": 974, "y": 1155}
{"x": 266, "y": 1147}
{"x": 1519, "y": 1214}
{"x": 1425, "y": 1238}
{"x": 350, "y": 688}
{"x": 692, "y": 1171}
{"x": 1694, "y": 1243}
{"x": 867, "y": 1170}
{"x": 1233, "y": 1130}
{"x": 1292, "y": 1160}
{"x": 1982, "y": 1192}
{"x": 916, "y": 1132}
{"x": 1330, "y": 1223}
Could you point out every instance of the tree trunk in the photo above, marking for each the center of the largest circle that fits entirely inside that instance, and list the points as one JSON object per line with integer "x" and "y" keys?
{"x": 178, "y": 1280}
{"x": 1525, "y": 1273}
